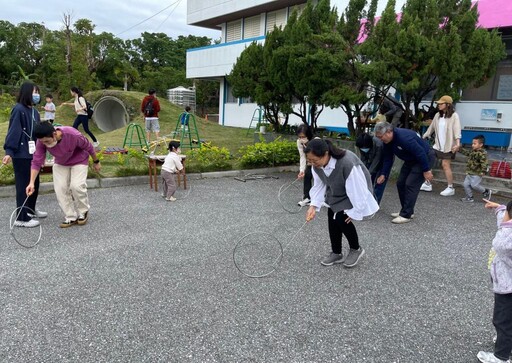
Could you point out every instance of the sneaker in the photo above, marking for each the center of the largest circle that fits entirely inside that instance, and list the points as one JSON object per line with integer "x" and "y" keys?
{"x": 426, "y": 187}
{"x": 397, "y": 214}
{"x": 39, "y": 214}
{"x": 304, "y": 202}
{"x": 467, "y": 200}
{"x": 332, "y": 259}
{"x": 488, "y": 193}
{"x": 82, "y": 218}
{"x": 67, "y": 223}
{"x": 489, "y": 357}
{"x": 448, "y": 192}
{"x": 353, "y": 257}
{"x": 170, "y": 199}
{"x": 27, "y": 224}
{"x": 96, "y": 144}
{"x": 401, "y": 220}
{"x": 163, "y": 195}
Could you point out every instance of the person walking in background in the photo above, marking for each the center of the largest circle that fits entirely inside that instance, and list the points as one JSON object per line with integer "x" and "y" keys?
{"x": 71, "y": 151}
{"x": 49, "y": 109}
{"x": 476, "y": 167}
{"x": 344, "y": 184}
{"x": 172, "y": 165}
{"x": 150, "y": 107}
{"x": 304, "y": 134}
{"x": 81, "y": 114}
{"x": 447, "y": 130}
{"x": 20, "y": 145}
{"x": 501, "y": 277}
{"x": 371, "y": 150}
{"x": 418, "y": 160}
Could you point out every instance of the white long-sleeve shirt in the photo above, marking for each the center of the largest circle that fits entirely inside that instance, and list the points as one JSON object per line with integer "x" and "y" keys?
{"x": 362, "y": 200}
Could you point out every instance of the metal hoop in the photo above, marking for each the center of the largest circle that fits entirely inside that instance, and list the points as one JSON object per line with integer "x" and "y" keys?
{"x": 14, "y": 217}
{"x": 275, "y": 264}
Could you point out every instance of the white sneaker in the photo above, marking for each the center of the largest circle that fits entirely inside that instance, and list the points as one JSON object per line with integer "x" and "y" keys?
{"x": 304, "y": 202}
{"x": 397, "y": 214}
{"x": 400, "y": 220}
{"x": 448, "y": 192}
{"x": 489, "y": 357}
{"x": 28, "y": 224}
{"x": 171, "y": 199}
{"x": 39, "y": 214}
{"x": 96, "y": 144}
{"x": 426, "y": 187}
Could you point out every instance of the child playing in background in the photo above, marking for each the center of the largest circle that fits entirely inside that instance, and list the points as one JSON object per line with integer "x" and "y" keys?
{"x": 476, "y": 167}
{"x": 501, "y": 276}
{"x": 172, "y": 165}
{"x": 184, "y": 118}
{"x": 49, "y": 109}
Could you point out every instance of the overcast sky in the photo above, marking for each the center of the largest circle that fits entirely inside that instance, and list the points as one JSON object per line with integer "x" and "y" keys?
{"x": 119, "y": 17}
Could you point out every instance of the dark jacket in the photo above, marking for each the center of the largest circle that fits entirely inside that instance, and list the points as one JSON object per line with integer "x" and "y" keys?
{"x": 373, "y": 158}
{"x": 408, "y": 146}
{"x": 21, "y": 126}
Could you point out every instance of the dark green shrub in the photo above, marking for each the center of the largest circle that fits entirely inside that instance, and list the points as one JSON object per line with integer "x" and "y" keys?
{"x": 208, "y": 158}
{"x": 275, "y": 153}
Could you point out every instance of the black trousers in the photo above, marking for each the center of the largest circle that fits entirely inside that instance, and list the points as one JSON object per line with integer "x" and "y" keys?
{"x": 308, "y": 181}
{"x": 409, "y": 184}
{"x": 338, "y": 227}
{"x": 84, "y": 120}
{"x": 22, "y": 178}
{"x": 502, "y": 320}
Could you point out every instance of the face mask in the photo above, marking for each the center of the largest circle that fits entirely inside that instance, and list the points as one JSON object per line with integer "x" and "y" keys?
{"x": 36, "y": 98}
{"x": 365, "y": 149}
{"x": 49, "y": 146}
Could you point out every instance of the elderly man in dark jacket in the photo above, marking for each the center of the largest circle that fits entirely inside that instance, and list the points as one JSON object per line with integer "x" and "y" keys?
{"x": 418, "y": 160}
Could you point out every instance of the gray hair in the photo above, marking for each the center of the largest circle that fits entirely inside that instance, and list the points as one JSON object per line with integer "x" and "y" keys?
{"x": 382, "y": 127}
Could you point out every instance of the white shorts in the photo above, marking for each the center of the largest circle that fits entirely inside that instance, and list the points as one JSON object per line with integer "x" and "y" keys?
{"x": 152, "y": 124}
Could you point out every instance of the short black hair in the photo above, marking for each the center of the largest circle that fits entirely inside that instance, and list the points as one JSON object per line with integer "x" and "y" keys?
{"x": 44, "y": 129}
{"x": 151, "y": 91}
{"x": 48, "y": 95}
{"x": 364, "y": 141}
{"x": 187, "y": 108}
{"x": 306, "y": 130}
{"x": 174, "y": 144}
{"x": 480, "y": 138}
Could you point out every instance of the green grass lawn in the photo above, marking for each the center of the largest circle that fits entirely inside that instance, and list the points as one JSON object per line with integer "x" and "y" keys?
{"x": 231, "y": 138}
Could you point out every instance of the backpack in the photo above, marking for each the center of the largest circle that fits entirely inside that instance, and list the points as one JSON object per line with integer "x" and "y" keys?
{"x": 149, "y": 110}
{"x": 88, "y": 108}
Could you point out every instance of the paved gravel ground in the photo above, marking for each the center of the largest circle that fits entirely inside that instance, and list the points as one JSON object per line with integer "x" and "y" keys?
{"x": 152, "y": 281}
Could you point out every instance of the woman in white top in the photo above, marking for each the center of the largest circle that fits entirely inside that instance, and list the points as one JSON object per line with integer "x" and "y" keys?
{"x": 447, "y": 130}
{"x": 304, "y": 134}
{"x": 81, "y": 113}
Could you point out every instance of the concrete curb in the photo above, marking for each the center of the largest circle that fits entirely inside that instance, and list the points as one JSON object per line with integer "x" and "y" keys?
{"x": 10, "y": 191}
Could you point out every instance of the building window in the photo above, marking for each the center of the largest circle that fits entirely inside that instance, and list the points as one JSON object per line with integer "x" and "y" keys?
{"x": 233, "y": 30}
{"x": 229, "y": 94}
{"x": 497, "y": 88}
{"x": 252, "y": 27}
{"x": 275, "y": 18}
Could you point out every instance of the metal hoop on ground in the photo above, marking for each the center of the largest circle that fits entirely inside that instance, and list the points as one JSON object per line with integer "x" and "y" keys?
{"x": 270, "y": 256}
{"x": 27, "y": 237}
{"x": 280, "y": 198}
{"x": 186, "y": 194}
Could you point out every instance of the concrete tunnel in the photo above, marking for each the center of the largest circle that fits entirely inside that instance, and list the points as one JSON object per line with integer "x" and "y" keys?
{"x": 110, "y": 114}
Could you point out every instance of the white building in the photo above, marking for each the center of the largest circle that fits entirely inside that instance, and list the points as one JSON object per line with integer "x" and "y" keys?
{"x": 486, "y": 110}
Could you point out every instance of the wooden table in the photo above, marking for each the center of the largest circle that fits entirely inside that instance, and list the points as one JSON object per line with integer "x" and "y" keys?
{"x": 154, "y": 161}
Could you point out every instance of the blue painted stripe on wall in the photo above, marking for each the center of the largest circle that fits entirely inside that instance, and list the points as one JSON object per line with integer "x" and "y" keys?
{"x": 226, "y": 44}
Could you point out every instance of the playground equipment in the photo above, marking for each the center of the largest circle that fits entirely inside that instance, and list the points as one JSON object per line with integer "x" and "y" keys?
{"x": 132, "y": 130}
{"x": 186, "y": 131}
{"x": 258, "y": 119}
